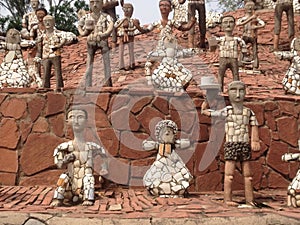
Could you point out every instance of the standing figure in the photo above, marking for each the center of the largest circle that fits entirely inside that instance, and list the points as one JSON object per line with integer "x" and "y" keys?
{"x": 294, "y": 187}
{"x": 168, "y": 176}
{"x": 229, "y": 50}
{"x": 165, "y": 25}
{"x": 251, "y": 23}
{"x": 195, "y": 6}
{"x": 109, "y": 7}
{"x": 237, "y": 148}
{"x": 98, "y": 27}
{"x": 13, "y": 71}
{"x": 77, "y": 183}
{"x": 29, "y": 19}
{"x": 127, "y": 28}
{"x": 291, "y": 80}
{"x": 49, "y": 50}
{"x": 287, "y": 7}
{"x": 170, "y": 75}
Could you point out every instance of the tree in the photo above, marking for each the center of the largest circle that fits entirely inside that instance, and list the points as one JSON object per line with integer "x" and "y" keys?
{"x": 229, "y": 5}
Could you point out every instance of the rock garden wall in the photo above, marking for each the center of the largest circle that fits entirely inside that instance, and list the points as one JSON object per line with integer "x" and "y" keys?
{"x": 32, "y": 124}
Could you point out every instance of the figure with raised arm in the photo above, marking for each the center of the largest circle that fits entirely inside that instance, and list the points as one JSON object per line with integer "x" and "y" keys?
{"x": 30, "y": 19}
{"x": 98, "y": 26}
{"x": 237, "y": 148}
{"x": 251, "y": 23}
{"x": 77, "y": 183}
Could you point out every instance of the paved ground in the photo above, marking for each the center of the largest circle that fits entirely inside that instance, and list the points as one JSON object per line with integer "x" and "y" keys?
{"x": 31, "y": 206}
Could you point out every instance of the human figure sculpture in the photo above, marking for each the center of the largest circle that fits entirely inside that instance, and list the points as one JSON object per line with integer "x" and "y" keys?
{"x": 229, "y": 50}
{"x": 195, "y": 6}
{"x": 98, "y": 26}
{"x": 109, "y": 7}
{"x": 49, "y": 52}
{"x": 77, "y": 183}
{"x": 13, "y": 71}
{"x": 280, "y": 7}
{"x": 291, "y": 80}
{"x": 237, "y": 148}
{"x": 168, "y": 176}
{"x": 293, "y": 190}
{"x": 165, "y": 25}
{"x": 29, "y": 19}
{"x": 127, "y": 28}
{"x": 170, "y": 75}
{"x": 180, "y": 11}
{"x": 251, "y": 23}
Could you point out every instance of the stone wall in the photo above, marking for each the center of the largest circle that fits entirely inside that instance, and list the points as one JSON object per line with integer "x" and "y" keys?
{"x": 33, "y": 124}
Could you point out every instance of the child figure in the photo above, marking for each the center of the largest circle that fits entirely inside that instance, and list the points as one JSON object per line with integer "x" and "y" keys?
{"x": 170, "y": 75}
{"x": 30, "y": 19}
{"x": 127, "y": 28}
{"x": 237, "y": 148}
{"x": 77, "y": 183}
{"x": 168, "y": 176}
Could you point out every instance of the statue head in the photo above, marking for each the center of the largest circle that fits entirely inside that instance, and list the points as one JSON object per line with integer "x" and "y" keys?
{"x": 49, "y": 21}
{"x": 227, "y": 23}
{"x": 165, "y": 7}
{"x": 41, "y": 13}
{"x": 34, "y": 4}
{"x": 295, "y": 45}
{"x": 96, "y": 6}
{"x": 77, "y": 117}
{"x": 128, "y": 10}
{"x": 249, "y": 7}
{"x": 13, "y": 36}
{"x": 165, "y": 131}
{"x": 236, "y": 91}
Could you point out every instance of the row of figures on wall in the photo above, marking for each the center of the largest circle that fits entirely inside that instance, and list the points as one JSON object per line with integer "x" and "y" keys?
{"x": 168, "y": 176}
{"x": 46, "y": 42}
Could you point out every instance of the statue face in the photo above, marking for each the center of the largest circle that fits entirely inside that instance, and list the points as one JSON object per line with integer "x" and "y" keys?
{"x": 40, "y": 15}
{"x": 49, "y": 22}
{"x": 167, "y": 135}
{"x": 96, "y": 5}
{"x": 128, "y": 10}
{"x": 236, "y": 93}
{"x": 34, "y": 4}
{"x": 13, "y": 36}
{"x": 249, "y": 7}
{"x": 297, "y": 44}
{"x": 77, "y": 119}
{"x": 165, "y": 7}
{"x": 228, "y": 24}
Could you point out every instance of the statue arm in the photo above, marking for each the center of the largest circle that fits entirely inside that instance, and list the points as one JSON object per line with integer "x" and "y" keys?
{"x": 109, "y": 30}
{"x": 255, "y": 145}
{"x": 187, "y": 26}
{"x": 81, "y": 28}
{"x": 182, "y": 143}
{"x": 150, "y": 145}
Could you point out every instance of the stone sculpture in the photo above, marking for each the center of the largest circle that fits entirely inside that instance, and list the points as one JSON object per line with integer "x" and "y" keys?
{"x": 193, "y": 7}
{"x": 251, "y": 23}
{"x": 49, "y": 52}
{"x": 77, "y": 183}
{"x": 29, "y": 19}
{"x": 291, "y": 80}
{"x": 127, "y": 28}
{"x": 180, "y": 11}
{"x": 170, "y": 75}
{"x": 293, "y": 191}
{"x": 13, "y": 71}
{"x": 237, "y": 148}
{"x": 229, "y": 49}
{"x": 98, "y": 26}
{"x": 280, "y": 7}
{"x": 168, "y": 176}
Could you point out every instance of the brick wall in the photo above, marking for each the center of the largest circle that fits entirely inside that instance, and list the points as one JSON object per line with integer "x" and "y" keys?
{"x": 33, "y": 124}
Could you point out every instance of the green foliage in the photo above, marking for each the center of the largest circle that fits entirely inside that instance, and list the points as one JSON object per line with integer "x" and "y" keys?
{"x": 229, "y": 5}
{"x": 66, "y": 15}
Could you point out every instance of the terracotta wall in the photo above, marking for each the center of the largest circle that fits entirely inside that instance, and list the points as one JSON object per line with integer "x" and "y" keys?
{"x": 33, "y": 123}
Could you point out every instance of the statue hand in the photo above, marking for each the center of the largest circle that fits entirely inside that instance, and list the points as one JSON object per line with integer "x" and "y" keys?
{"x": 255, "y": 146}
{"x": 69, "y": 158}
{"x": 103, "y": 172}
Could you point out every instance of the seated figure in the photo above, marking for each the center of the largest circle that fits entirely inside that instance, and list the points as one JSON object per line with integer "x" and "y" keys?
{"x": 77, "y": 183}
{"x": 168, "y": 176}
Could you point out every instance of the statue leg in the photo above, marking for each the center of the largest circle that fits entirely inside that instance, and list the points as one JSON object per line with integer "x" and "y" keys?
{"x": 131, "y": 52}
{"x": 121, "y": 54}
{"x": 106, "y": 63}
{"x": 191, "y": 35}
{"x": 91, "y": 50}
{"x": 229, "y": 172}
{"x": 222, "y": 70}
{"x": 60, "y": 190}
{"x": 47, "y": 73}
{"x": 58, "y": 72}
{"x": 255, "y": 53}
{"x": 234, "y": 66}
{"x": 246, "y": 168}
{"x": 277, "y": 26}
{"x": 88, "y": 189}
{"x": 202, "y": 24}
{"x": 291, "y": 23}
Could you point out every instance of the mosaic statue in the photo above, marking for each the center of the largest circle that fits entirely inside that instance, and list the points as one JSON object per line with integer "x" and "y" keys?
{"x": 251, "y": 24}
{"x": 180, "y": 11}
{"x": 166, "y": 25}
{"x": 237, "y": 147}
{"x": 291, "y": 80}
{"x": 193, "y": 7}
{"x": 168, "y": 176}
{"x": 77, "y": 183}
{"x": 29, "y": 19}
{"x": 229, "y": 50}
{"x": 170, "y": 75}
{"x": 127, "y": 28}
{"x": 280, "y": 7}
{"x": 294, "y": 187}
{"x": 98, "y": 27}
{"x": 109, "y": 7}
{"x": 49, "y": 52}
{"x": 13, "y": 71}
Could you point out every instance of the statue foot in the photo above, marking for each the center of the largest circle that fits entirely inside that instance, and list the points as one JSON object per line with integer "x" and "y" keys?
{"x": 56, "y": 202}
{"x": 231, "y": 203}
{"x": 87, "y": 203}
